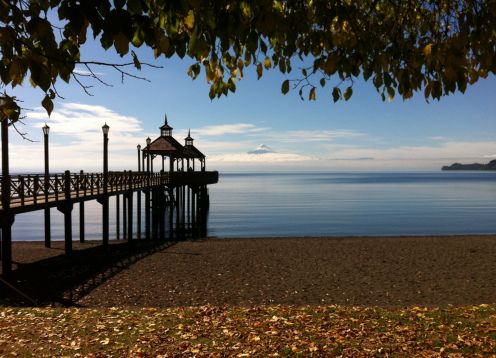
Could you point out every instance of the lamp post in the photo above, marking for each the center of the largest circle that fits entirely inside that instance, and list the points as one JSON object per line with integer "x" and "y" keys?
{"x": 46, "y": 131}
{"x": 6, "y": 218}
{"x": 139, "y": 159}
{"x": 148, "y": 141}
{"x": 105, "y": 208}
{"x": 147, "y": 191}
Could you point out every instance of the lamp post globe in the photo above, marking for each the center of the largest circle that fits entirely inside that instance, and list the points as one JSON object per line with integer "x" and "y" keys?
{"x": 105, "y": 129}
{"x": 46, "y": 129}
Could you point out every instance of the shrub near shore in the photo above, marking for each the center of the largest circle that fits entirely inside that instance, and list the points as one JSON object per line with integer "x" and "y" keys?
{"x": 249, "y": 331}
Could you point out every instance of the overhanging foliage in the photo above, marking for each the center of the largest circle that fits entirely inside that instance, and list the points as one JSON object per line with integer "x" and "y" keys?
{"x": 438, "y": 47}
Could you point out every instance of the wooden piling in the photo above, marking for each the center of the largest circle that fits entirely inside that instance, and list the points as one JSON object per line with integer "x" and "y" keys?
{"x": 66, "y": 209}
{"x": 138, "y": 213}
{"x": 117, "y": 217}
{"x": 130, "y": 216}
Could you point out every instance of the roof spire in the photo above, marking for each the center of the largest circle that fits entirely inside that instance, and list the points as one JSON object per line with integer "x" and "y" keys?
{"x": 189, "y": 129}
{"x": 165, "y": 118}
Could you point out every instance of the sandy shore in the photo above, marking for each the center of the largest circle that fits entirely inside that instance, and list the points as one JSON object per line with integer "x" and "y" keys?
{"x": 384, "y": 271}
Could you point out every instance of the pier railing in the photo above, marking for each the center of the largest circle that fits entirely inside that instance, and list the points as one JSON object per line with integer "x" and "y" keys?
{"x": 35, "y": 189}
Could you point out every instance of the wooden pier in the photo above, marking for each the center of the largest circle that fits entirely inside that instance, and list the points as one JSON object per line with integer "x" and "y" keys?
{"x": 177, "y": 198}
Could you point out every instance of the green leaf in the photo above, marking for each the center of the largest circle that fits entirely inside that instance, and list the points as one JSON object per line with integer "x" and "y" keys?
{"x": 47, "y": 104}
{"x": 285, "y": 87}
{"x": 391, "y": 93}
{"x": 348, "y": 93}
{"x": 336, "y": 94}
{"x": 259, "y": 70}
{"x": 121, "y": 43}
{"x": 136, "y": 62}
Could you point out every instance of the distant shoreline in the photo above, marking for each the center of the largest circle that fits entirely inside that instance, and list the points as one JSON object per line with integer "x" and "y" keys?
{"x": 491, "y": 166}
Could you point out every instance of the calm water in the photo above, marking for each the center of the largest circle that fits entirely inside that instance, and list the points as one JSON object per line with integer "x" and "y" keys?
{"x": 318, "y": 204}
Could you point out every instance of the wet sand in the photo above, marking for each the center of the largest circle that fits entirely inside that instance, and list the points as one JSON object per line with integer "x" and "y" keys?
{"x": 378, "y": 271}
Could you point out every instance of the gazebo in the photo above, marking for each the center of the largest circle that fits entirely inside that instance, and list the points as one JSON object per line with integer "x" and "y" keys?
{"x": 191, "y": 152}
{"x": 166, "y": 146}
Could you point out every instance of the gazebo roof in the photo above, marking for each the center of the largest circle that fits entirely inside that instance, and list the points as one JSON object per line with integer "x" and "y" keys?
{"x": 165, "y": 146}
{"x": 190, "y": 151}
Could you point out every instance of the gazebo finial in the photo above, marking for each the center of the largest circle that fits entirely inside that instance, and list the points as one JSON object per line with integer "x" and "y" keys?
{"x": 188, "y": 139}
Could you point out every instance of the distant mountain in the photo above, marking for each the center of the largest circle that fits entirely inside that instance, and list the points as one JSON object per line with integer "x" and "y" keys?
{"x": 262, "y": 149}
{"x": 474, "y": 166}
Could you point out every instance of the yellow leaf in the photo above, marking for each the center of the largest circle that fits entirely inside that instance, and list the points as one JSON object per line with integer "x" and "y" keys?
{"x": 189, "y": 21}
{"x": 312, "y": 96}
{"x": 267, "y": 63}
{"x": 428, "y": 50}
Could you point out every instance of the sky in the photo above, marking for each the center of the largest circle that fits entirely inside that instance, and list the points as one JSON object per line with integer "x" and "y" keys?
{"x": 254, "y": 129}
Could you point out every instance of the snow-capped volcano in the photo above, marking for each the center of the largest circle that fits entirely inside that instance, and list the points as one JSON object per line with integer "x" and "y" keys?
{"x": 262, "y": 149}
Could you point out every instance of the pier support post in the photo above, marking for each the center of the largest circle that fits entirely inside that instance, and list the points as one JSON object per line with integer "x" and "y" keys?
{"x": 47, "y": 187}
{"x": 124, "y": 217}
{"x": 105, "y": 201}
{"x": 66, "y": 208}
{"x": 6, "y": 223}
{"x": 154, "y": 214}
{"x": 117, "y": 217}
{"x": 81, "y": 211}
{"x": 81, "y": 221}
{"x": 147, "y": 213}
{"x": 161, "y": 213}
{"x": 105, "y": 220}
{"x": 138, "y": 214}
{"x": 171, "y": 214}
{"x": 193, "y": 211}
{"x": 47, "y": 226}
{"x": 130, "y": 216}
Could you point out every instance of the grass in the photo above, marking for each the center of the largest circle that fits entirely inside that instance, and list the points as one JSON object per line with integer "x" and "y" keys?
{"x": 284, "y": 331}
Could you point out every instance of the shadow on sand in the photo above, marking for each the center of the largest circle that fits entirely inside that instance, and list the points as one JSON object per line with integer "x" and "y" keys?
{"x": 62, "y": 280}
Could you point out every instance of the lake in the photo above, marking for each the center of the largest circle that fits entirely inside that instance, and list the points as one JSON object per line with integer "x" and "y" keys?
{"x": 324, "y": 204}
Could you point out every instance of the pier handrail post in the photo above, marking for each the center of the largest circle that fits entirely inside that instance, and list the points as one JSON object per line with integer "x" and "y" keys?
{"x": 105, "y": 208}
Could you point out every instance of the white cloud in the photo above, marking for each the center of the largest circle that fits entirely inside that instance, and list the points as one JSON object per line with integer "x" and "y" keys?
{"x": 254, "y": 158}
{"x": 84, "y": 72}
{"x": 318, "y": 135}
{"x": 76, "y": 139}
{"x": 440, "y": 138}
{"x": 445, "y": 151}
{"x": 490, "y": 156}
{"x": 223, "y": 129}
